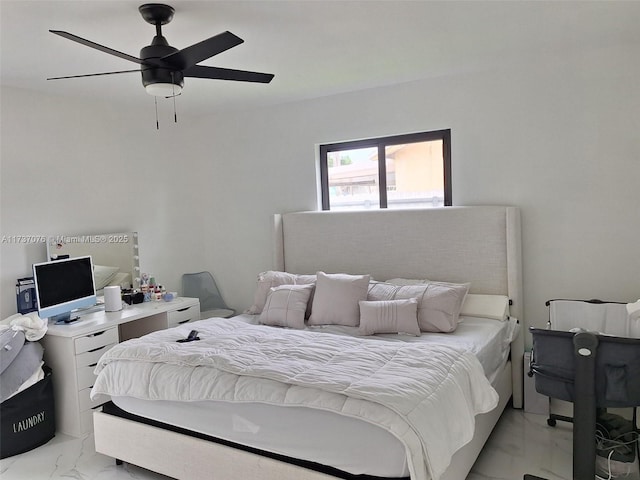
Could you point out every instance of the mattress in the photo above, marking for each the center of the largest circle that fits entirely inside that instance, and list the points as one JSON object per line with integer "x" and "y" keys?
{"x": 347, "y": 444}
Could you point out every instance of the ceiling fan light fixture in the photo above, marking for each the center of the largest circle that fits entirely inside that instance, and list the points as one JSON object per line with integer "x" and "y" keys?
{"x": 163, "y": 89}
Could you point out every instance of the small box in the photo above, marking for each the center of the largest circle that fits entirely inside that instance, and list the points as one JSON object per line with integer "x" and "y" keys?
{"x": 26, "y": 295}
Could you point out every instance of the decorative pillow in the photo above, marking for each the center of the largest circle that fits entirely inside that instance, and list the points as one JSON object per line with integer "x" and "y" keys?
{"x": 439, "y": 304}
{"x": 381, "y": 291}
{"x": 286, "y": 306}
{"x": 270, "y": 279}
{"x": 336, "y": 298}
{"x": 495, "y": 307}
{"x": 102, "y": 275}
{"x": 407, "y": 281}
{"x": 389, "y": 316}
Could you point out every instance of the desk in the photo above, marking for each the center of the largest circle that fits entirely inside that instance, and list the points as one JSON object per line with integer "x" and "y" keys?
{"x": 73, "y": 350}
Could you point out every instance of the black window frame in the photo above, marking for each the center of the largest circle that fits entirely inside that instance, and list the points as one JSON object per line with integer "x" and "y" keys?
{"x": 381, "y": 143}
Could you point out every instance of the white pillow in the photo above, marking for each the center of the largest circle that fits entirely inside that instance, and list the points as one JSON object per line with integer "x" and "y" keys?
{"x": 270, "y": 279}
{"x": 286, "y": 306}
{"x": 389, "y": 316}
{"x": 407, "y": 281}
{"x": 336, "y": 298}
{"x": 102, "y": 275}
{"x": 381, "y": 291}
{"x": 495, "y": 307}
{"x": 439, "y": 304}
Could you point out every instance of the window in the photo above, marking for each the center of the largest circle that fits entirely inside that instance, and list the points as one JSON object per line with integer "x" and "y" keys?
{"x": 403, "y": 171}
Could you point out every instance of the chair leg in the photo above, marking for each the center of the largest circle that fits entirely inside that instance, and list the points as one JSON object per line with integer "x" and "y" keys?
{"x": 551, "y": 421}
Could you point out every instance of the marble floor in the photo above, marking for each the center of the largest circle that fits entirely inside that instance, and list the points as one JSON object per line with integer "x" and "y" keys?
{"x": 521, "y": 443}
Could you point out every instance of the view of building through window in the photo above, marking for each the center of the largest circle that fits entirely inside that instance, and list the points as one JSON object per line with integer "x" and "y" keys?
{"x": 386, "y": 175}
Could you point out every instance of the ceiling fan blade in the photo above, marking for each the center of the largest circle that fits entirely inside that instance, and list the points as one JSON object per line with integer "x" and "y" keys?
{"x": 198, "y": 52}
{"x": 93, "y": 74}
{"x": 97, "y": 46}
{"x": 216, "y": 73}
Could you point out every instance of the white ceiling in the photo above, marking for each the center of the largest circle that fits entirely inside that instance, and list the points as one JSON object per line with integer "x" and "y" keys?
{"x": 314, "y": 48}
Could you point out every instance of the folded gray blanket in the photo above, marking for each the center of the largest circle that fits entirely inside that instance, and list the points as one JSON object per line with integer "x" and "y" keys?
{"x": 11, "y": 341}
{"x": 23, "y": 366}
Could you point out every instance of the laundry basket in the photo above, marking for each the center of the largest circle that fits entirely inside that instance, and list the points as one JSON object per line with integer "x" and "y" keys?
{"x": 27, "y": 419}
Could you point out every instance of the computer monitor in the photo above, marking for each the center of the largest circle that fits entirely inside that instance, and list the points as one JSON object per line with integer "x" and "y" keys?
{"x": 63, "y": 286}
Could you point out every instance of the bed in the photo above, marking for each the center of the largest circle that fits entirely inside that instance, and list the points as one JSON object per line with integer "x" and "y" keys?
{"x": 477, "y": 246}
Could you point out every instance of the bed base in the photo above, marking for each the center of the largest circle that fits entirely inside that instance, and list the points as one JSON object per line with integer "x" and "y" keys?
{"x": 463, "y": 459}
{"x": 186, "y": 457}
{"x": 480, "y": 245}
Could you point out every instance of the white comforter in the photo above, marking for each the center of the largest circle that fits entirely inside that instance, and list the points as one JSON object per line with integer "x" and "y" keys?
{"x": 426, "y": 395}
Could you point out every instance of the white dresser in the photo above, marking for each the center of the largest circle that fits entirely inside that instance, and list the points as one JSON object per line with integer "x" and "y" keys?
{"x": 73, "y": 350}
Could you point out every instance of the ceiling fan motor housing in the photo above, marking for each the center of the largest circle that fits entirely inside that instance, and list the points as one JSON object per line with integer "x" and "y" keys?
{"x": 164, "y": 67}
{"x": 156, "y": 13}
{"x": 152, "y": 74}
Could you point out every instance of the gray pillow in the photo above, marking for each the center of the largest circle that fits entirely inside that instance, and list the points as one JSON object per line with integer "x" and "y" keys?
{"x": 11, "y": 341}
{"x": 286, "y": 306}
{"x": 389, "y": 316}
{"x": 336, "y": 298}
{"x": 439, "y": 303}
{"x": 270, "y": 279}
{"x": 23, "y": 366}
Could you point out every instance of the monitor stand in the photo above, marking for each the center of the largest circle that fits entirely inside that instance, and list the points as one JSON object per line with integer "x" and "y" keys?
{"x": 64, "y": 318}
{"x": 70, "y": 317}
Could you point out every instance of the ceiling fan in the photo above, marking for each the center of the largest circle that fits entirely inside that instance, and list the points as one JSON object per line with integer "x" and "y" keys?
{"x": 164, "y": 67}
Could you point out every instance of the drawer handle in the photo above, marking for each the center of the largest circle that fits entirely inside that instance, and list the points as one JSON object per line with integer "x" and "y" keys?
{"x": 183, "y": 309}
{"x": 184, "y": 321}
{"x": 92, "y": 365}
{"x": 96, "y": 349}
{"x": 97, "y": 334}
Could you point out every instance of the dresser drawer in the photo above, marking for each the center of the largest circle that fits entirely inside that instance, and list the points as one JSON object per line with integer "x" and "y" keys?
{"x": 91, "y": 358}
{"x": 95, "y": 340}
{"x": 183, "y": 315}
{"x": 85, "y": 400}
{"x": 86, "y": 377}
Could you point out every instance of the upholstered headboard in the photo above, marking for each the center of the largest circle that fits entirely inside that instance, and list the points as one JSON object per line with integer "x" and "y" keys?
{"x": 480, "y": 245}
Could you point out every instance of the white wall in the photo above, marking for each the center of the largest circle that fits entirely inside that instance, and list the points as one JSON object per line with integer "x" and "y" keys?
{"x": 71, "y": 168}
{"x": 556, "y": 137}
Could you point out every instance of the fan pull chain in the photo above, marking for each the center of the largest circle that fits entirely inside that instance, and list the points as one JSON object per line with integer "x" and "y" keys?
{"x": 157, "y": 123}
{"x": 175, "y": 115}
{"x": 173, "y": 87}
